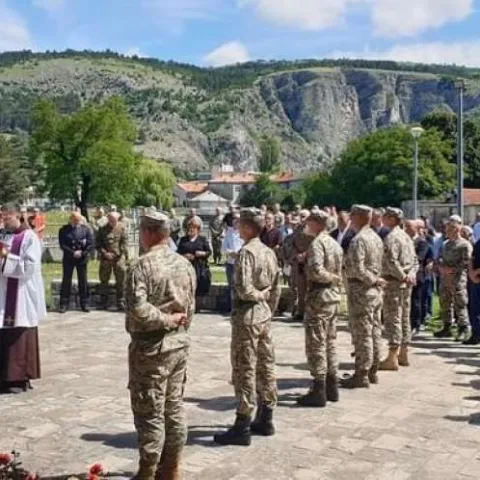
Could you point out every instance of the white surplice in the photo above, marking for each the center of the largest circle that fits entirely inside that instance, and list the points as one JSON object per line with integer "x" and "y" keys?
{"x": 27, "y": 268}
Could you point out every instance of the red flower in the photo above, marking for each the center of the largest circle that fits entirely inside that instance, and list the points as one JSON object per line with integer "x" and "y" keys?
{"x": 96, "y": 469}
{"x": 6, "y": 458}
{"x": 32, "y": 476}
{"x": 91, "y": 476}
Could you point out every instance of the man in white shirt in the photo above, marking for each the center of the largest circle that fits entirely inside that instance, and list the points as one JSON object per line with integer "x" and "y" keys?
{"x": 22, "y": 303}
{"x": 476, "y": 229}
{"x": 231, "y": 245}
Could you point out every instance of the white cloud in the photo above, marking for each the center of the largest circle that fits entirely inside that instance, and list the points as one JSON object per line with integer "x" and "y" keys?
{"x": 51, "y": 6}
{"x": 14, "y": 34}
{"x": 135, "y": 51}
{"x": 302, "y": 14}
{"x": 392, "y": 18}
{"x": 227, "y": 54}
{"x": 183, "y": 9}
{"x": 459, "y": 53}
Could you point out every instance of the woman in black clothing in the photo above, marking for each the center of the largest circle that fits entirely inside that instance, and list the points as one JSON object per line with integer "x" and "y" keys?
{"x": 195, "y": 247}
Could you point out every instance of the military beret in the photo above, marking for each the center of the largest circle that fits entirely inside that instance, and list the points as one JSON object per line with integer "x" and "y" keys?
{"x": 394, "y": 212}
{"x": 318, "y": 216}
{"x": 156, "y": 220}
{"x": 361, "y": 210}
{"x": 457, "y": 219}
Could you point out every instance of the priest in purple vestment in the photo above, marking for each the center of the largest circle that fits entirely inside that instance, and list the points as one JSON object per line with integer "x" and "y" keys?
{"x": 22, "y": 303}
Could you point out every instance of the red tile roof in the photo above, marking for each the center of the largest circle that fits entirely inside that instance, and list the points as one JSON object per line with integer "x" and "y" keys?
{"x": 193, "y": 187}
{"x": 251, "y": 177}
{"x": 471, "y": 196}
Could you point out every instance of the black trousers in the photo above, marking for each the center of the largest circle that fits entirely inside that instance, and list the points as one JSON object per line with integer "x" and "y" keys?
{"x": 417, "y": 312}
{"x": 68, "y": 267}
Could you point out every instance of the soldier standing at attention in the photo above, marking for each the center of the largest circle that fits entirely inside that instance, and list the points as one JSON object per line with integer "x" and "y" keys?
{"x": 216, "y": 234}
{"x": 324, "y": 276}
{"x": 160, "y": 301}
{"x": 399, "y": 269}
{"x": 363, "y": 266}
{"x": 113, "y": 254}
{"x": 256, "y": 294}
{"x": 300, "y": 244}
{"x": 453, "y": 265}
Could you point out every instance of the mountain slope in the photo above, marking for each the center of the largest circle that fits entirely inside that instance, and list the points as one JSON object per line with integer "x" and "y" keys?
{"x": 195, "y": 118}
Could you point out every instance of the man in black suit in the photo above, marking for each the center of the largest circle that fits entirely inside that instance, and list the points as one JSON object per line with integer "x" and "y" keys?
{"x": 416, "y": 229}
{"x": 377, "y": 223}
{"x": 76, "y": 242}
{"x": 343, "y": 234}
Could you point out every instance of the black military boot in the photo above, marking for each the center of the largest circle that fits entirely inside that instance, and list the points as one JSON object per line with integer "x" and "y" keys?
{"x": 332, "y": 388}
{"x": 444, "y": 332}
{"x": 316, "y": 396}
{"x": 240, "y": 434}
{"x": 373, "y": 375}
{"x": 62, "y": 308}
{"x": 462, "y": 333}
{"x": 263, "y": 423}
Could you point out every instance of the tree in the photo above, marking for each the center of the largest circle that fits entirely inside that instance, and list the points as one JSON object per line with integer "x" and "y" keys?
{"x": 378, "y": 170}
{"x": 13, "y": 175}
{"x": 269, "y": 154}
{"x": 263, "y": 192}
{"x": 155, "y": 184}
{"x": 88, "y": 155}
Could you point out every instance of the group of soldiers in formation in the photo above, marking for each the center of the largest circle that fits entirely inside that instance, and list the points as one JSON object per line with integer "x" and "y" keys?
{"x": 377, "y": 268}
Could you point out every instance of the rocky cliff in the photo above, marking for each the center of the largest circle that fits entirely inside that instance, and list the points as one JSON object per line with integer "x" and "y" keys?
{"x": 315, "y": 112}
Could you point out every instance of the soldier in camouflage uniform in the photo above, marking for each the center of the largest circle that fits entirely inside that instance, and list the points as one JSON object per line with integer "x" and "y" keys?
{"x": 324, "y": 276}
{"x": 453, "y": 266}
{"x": 216, "y": 235}
{"x": 363, "y": 267}
{"x": 256, "y": 294}
{"x": 111, "y": 244}
{"x": 160, "y": 302}
{"x": 300, "y": 244}
{"x": 399, "y": 270}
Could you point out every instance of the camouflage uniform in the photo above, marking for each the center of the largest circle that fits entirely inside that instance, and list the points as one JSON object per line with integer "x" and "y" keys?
{"x": 252, "y": 350}
{"x": 363, "y": 266}
{"x": 112, "y": 240}
{"x": 399, "y": 262}
{"x": 175, "y": 228}
{"x": 160, "y": 283}
{"x": 324, "y": 263}
{"x": 300, "y": 244}
{"x": 453, "y": 288}
{"x": 216, "y": 232}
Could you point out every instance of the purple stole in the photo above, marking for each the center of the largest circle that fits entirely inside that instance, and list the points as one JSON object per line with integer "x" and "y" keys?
{"x": 12, "y": 285}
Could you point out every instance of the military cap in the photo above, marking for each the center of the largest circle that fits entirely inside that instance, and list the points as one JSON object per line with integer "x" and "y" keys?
{"x": 361, "y": 210}
{"x": 156, "y": 220}
{"x": 318, "y": 216}
{"x": 457, "y": 219}
{"x": 394, "y": 212}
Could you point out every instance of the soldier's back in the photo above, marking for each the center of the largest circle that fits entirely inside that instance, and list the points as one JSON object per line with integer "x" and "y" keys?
{"x": 371, "y": 246}
{"x": 264, "y": 263}
{"x": 332, "y": 253}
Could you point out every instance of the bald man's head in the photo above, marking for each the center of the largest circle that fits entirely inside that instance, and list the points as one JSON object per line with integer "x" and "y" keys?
{"x": 76, "y": 218}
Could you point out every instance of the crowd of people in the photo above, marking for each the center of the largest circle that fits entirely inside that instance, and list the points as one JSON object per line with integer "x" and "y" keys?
{"x": 387, "y": 266}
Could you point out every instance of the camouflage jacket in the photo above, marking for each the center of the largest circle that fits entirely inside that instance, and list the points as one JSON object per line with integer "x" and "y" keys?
{"x": 456, "y": 254}
{"x": 112, "y": 240}
{"x": 256, "y": 270}
{"x": 300, "y": 243}
{"x": 324, "y": 269}
{"x": 216, "y": 227}
{"x": 158, "y": 284}
{"x": 363, "y": 263}
{"x": 399, "y": 257}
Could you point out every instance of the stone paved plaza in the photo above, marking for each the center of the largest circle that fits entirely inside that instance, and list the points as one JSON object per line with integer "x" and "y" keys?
{"x": 421, "y": 423}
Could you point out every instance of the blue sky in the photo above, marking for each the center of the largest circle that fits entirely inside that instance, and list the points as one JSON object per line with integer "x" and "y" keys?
{"x": 216, "y": 32}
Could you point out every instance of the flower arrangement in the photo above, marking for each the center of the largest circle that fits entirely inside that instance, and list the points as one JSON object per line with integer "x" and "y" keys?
{"x": 11, "y": 469}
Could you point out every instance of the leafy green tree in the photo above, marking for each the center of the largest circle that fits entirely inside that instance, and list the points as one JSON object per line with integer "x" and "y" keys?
{"x": 155, "y": 184}
{"x": 270, "y": 154}
{"x": 444, "y": 122}
{"x": 88, "y": 156}
{"x": 13, "y": 175}
{"x": 378, "y": 170}
{"x": 263, "y": 192}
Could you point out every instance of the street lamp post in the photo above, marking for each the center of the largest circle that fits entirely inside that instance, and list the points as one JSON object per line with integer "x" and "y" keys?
{"x": 416, "y": 134}
{"x": 460, "y": 87}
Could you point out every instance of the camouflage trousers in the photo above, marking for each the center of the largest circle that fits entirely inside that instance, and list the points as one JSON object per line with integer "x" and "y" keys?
{"x": 118, "y": 268}
{"x": 365, "y": 316}
{"x": 299, "y": 284}
{"x": 321, "y": 338}
{"x": 396, "y": 314}
{"x": 253, "y": 366}
{"x": 453, "y": 299}
{"x": 157, "y": 404}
